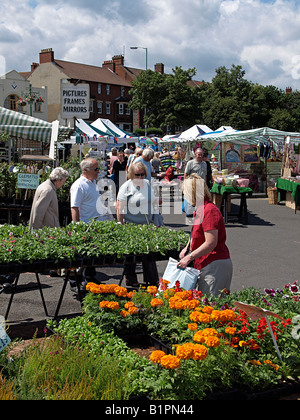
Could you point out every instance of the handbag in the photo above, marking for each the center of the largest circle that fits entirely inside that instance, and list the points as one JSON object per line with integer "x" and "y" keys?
{"x": 187, "y": 278}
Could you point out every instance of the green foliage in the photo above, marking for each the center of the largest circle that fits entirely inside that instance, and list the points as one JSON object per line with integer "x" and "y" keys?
{"x": 19, "y": 244}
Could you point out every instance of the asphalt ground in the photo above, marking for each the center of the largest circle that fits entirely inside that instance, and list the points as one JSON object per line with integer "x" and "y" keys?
{"x": 265, "y": 254}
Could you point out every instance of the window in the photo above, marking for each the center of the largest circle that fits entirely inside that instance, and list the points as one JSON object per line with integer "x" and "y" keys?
{"x": 99, "y": 89}
{"x": 122, "y": 91}
{"x": 121, "y": 109}
{"x": 107, "y": 108}
{"x": 107, "y": 89}
{"x": 99, "y": 107}
{"x": 37, "y": 107}
{"x": 11, "y": 103}
{"x": 127, "y": 110}
{"x": 91, "y": 105}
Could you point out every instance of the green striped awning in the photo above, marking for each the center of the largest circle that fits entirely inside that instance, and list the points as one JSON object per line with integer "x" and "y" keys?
{"x": 24, "y": 126}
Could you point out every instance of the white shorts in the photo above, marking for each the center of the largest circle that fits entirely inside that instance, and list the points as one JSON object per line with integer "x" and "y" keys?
{"x": 215, "y": 277}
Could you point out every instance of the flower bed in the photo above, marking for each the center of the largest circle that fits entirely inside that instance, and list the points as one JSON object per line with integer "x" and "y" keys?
{"x": 98, "y": 242}
{"x": 217, "y": 351}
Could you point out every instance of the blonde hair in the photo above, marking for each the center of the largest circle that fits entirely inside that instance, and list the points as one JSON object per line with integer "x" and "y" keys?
{"x": 186, "y": 185}
{"x": 134, "y": 166}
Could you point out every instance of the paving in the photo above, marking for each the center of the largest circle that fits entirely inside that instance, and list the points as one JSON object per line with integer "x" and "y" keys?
{"x": 265, "y": 254}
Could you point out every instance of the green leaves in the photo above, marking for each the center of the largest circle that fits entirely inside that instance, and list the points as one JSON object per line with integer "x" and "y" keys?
{"x": 19, "y": 244}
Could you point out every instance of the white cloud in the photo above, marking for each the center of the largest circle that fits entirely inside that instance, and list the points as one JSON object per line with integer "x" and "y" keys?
{"x": 260, "y": 35}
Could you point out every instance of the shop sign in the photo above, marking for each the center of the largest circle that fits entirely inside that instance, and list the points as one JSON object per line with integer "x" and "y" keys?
{"x": 75, "y": 101}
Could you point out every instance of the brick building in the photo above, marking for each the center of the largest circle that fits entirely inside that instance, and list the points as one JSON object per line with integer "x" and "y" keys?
{"x": 109, "y": 92}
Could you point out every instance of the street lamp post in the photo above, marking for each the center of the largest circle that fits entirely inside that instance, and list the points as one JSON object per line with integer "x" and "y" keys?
{"x": 146, "y": 50}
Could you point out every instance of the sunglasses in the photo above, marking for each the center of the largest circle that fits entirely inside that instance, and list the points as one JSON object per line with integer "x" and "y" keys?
{"x": 139, "y": 175}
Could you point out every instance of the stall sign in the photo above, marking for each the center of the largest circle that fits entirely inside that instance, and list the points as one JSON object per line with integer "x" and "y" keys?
{"x": 75, "y": 100}
{"x": 28, "y": 181}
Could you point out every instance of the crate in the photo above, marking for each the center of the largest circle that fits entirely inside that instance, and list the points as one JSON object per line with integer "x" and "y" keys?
{"x": 273, "y": 195}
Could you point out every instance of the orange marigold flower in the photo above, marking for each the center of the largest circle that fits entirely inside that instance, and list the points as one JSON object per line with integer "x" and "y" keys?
{"x": 156, "y": 302}
{"x": 268, "y": 362}
{"x": 210, "y": 331}
{"x": 170, "y": 362}
{"x": 157, "y": 355}
{"x": 133, "y": 310}
{"x": 152, "y": 290}
{"x": 124, "y": 313}
{"x": 185, "y": 351}
{"x": 230, "y": 330}
{"x": 193, "y": 326}
{"x": 128, "y": 305}
{"x": 199, "y": 337}
{"x": 199, "y": 352}
{"x": 120, "y": 291}
{"x": 212, "y": 341}
{"x": 254, "y": 362}
{"x": 207, "y": 309}
{"x": 192, "y": 304}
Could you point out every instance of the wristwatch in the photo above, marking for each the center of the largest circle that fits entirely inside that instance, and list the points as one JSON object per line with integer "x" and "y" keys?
{"x": 191, "y": 256}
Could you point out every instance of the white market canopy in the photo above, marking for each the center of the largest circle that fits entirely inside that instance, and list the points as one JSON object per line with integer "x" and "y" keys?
{"x": 191, "y": 134}
{"x": 252, "y": 136}
{"x": 109, "y": 128}
{"x": 24, "y": 126}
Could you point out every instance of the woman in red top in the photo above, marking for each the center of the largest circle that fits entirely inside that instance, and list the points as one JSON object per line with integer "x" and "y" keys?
{"x": 208, "y": 249}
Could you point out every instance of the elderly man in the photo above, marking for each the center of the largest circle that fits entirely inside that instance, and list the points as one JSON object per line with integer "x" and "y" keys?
{"x": 86, "y": 203}
{"x": 196, "y": 166}
{"x": 146, "y": 157}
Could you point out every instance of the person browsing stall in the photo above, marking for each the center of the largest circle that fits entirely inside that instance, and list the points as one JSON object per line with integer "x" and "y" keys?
{"x": 86, "y": 203}
{"x": 207, "y": 248}
{"x": 44, "y": 210}
{"x": 196, "y": 166}
{"x": 135, "y": 204}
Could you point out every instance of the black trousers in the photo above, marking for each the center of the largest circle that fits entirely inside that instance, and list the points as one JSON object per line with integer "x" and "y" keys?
{"x": 150, "y": 272}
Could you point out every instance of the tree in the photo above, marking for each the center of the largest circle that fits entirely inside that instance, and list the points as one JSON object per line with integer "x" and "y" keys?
{"x": 169, "y": 100}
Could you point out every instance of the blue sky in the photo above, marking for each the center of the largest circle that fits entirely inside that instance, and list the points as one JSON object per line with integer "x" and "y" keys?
{"x": 260, "y": 35}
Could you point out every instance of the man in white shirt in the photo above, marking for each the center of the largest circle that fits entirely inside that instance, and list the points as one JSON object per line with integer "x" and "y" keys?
{"x": 86, "y": 201}
{"x": 86, "y": 205}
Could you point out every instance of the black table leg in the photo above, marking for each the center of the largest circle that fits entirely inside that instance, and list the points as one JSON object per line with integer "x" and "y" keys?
{"x": 12, "y": 295}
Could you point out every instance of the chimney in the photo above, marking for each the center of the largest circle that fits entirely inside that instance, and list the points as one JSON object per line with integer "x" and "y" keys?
{"x": 159, "y": 68}
{"x": 118, "y": 60}
{"x": 46, "y": 56}
{"x": 288, "y": 90}
{"x": 34, "y": 66}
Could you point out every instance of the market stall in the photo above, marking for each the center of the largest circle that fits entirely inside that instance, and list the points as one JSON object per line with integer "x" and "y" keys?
{"x": 289, "y": 189}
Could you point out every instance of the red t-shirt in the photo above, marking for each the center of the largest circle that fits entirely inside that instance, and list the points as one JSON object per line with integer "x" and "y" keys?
{"x": 212, "y": 220}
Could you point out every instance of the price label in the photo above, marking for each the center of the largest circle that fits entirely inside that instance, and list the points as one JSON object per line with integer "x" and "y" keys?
{"x": 4, "y": 338}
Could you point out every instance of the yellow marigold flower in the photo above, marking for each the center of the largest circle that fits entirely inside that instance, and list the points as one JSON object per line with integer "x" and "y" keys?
{"x": 230, "y": 330}
{"x": 243, "y": 343}
{"x": 157, "y": 355}
{"x": 199, "y": 352}
{"x": 212, "y": 341}
{"x": 124, "y": 313}
{"x": 170, "y": 362}
{"x": 156, "y": 302}
{"x": 193, "y": 326}
{"x": 152, "y": 290}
